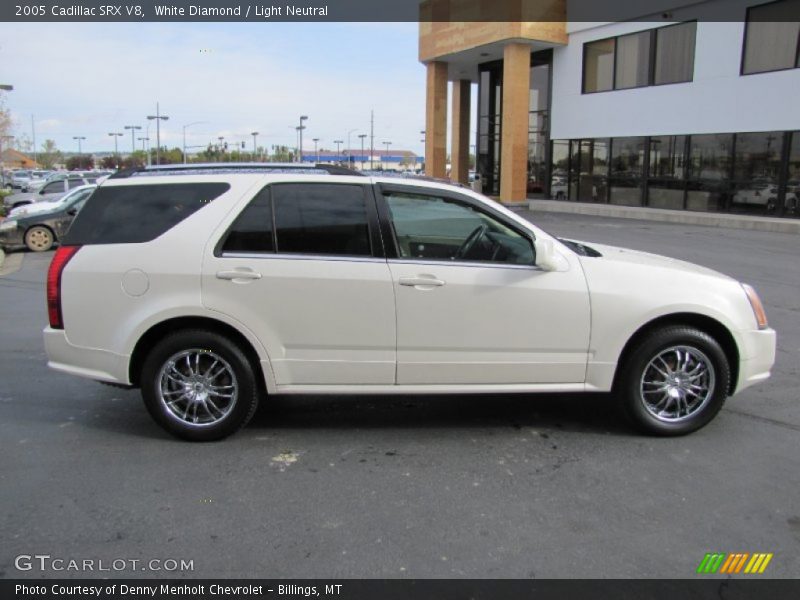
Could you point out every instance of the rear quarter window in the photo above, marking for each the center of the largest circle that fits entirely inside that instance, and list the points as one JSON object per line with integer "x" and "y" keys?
{"x": 138, "y": 213}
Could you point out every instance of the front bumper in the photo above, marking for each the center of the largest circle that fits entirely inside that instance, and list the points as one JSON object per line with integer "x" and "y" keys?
{"x": 756, "y": 357}
{"x": 100, "y": 365}
{"x": 12, "y": 237}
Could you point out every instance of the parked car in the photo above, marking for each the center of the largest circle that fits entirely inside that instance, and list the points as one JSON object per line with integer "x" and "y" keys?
{"x": 19, "y": 179}
{"x": 212, "y": 287}
{"x": 35, "y": 178}
{"x": 51, "y": 191}
{"x": 39, "y": 226}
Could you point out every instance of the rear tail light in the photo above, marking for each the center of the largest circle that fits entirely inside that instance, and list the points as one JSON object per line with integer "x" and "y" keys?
{"x": 60, "y": 260}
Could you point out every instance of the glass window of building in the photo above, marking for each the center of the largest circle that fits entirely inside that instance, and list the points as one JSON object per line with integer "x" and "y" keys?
{"x": 538, "y": 126}
{"x": 559, "y": 174}
{"x": 756, "y": 171}
{"x": 771, "y": 38}
{"x": 674, "y": 57}
{"x": 792, "y": 199}
{"x": 627, "y": 161}
{"x": 588, "y": 176}
{"x": 632, "y": 60}
{"x": 667, "y": 171}
{"x": 598, "y": 66}
{"x": 709, "y": 171}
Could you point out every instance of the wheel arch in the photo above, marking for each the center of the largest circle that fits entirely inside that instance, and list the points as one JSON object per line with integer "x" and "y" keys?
{"x": 704, "y": 323}
{"x": 157, "y": 332}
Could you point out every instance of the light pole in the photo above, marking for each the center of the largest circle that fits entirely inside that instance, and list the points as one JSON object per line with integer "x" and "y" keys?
{"x": 338, "y": 150}
{"x": 184, "y": 136}
{"x": 300, "y": 129}
{"x": 221, "y": 139}
{"x": 158, "y": 118}
{"x": 133, "y": 129}
{"x": 363, "y": 136}
{"x": 143, "y": 140}
{"x": 115, "y": 136}
{"x": 316, "y": 148}
{"x": 387, "y": 144}
{"x": 348, "y": 145}
{"x": 79, "y": 138}
{"x": 255, "y": 135}
{"x": 6, "y": 88}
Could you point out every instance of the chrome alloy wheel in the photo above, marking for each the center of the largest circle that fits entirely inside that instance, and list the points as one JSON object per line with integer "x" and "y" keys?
{"x": 197, "y": 387}
{"x": 677, "y": 383}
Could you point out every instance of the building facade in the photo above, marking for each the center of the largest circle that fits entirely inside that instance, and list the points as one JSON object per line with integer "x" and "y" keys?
{"x": 669, "y": 110}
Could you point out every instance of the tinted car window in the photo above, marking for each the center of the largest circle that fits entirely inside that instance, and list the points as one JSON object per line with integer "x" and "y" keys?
{"x": 321, "y": 219}
{"x": 139, "y": 213}
{"x": 434, "y": 228}
{"x": 252, "y": 229}
{"x": 54, "y": 187}
{"x": 73, "y": 183}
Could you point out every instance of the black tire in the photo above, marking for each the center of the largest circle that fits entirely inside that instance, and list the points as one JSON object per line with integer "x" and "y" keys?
{"x": 637, "y": 368}
{"x": 238, "y": 376}
{"x": 39, "y": 238}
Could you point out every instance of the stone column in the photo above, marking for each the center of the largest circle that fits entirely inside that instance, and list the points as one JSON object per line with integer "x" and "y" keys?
{"x": 514, "y": 122}
{"x": 459, "y": 137}
{"x": 436, "y": 119}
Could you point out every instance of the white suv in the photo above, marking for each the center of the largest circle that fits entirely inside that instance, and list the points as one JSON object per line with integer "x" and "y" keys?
{"x": 212, "y": 288}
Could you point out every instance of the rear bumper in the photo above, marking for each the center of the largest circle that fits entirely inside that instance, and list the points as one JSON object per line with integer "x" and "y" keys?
{"x": 92, "y": 363}
{"x": 756, "y": 357}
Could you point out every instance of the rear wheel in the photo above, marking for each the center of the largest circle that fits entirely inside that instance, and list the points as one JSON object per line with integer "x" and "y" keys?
{"x": 39, "y": 239}
{"x": 674, "y": 381}
{"x": 199, "y": 385}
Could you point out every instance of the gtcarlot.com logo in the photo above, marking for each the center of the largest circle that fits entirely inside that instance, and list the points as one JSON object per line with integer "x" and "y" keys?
{"x": 46, "y": 562}
{"x": 736, "y": 563}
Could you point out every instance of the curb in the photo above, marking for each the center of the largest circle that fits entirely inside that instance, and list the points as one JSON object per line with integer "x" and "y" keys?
{"x": 770, "y": 224}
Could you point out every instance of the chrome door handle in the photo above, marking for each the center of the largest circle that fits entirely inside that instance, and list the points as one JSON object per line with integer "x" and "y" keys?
{"x": 238, "y": 274}
{"x": 423, "y": 281}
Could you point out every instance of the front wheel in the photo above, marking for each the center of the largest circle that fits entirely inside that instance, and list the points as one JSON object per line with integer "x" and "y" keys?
{"x": 199, "y": 385}
{"x": 674, "y": 381}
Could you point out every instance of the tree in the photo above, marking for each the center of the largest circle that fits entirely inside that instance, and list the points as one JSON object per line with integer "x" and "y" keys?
{"x": 135, "y": 161}
{"x": 50, "y": 155}
{"x": 80, "y": 161}
{"x": 112, "y": 161}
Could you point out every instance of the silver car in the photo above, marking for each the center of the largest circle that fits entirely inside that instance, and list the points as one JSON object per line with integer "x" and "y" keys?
{"x": 51, "y": 191}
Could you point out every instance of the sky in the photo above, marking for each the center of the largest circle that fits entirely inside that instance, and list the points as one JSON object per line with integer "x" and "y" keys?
{"x": 89, "y": 79}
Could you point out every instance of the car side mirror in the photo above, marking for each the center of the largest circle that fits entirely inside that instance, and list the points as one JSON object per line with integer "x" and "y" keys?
{"x": 546, "y": 257}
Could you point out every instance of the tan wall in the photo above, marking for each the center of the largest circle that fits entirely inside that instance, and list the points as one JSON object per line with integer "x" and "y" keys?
{"x": 441, "y": 38}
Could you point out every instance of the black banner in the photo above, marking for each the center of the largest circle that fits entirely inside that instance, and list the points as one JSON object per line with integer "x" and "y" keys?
{"x": 396, "y": 589}
{"x": 386, "y": 10}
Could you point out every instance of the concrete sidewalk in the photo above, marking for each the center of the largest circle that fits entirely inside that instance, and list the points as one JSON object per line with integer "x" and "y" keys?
{"x": 771, "y": 224}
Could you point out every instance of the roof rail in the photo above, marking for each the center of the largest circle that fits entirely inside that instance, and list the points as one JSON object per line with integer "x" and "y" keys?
{"x": 233, "y": 167}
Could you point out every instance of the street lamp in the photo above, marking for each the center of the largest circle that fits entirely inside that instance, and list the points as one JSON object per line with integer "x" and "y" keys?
{"x": 79, "y": 138}
{"x": 316, "y": 149}
{"x": 255, "y": 135}
{"x": 338, "y": 151}
{"x": 300, "y": 129}
{"x": 133, "y": 129}
{"x": 363, "y": 137}
{"x": 143, "y": 139}
{"x": 387, "y": 144}
{"x": 348, "y": 145}
{"x": 184, "y": 136}
{"x": 6, "y": 88}
{"x": 115, "y": 136}
{"x": 158, "y": 118}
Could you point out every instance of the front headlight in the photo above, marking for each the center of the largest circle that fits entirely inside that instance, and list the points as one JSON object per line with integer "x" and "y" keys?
{"x": 755, "y": 303}
{"x": 8, "y": 225}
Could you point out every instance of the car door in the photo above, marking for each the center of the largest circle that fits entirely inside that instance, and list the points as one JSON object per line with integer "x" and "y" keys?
{"x": 471, "y": 306}
{"x": 302, "y": 266}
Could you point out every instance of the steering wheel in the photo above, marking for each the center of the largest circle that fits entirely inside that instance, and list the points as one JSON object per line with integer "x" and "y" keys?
{"x": 471, "y": 240}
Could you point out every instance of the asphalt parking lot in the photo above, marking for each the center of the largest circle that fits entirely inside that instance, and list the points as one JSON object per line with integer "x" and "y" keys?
{"x": 412, "y": 486}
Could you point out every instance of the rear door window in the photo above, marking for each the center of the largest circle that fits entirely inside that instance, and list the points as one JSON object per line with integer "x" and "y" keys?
{"x": 321, "y": 218}
{"x": 251, "y": 232}
{"x": 139, "y": 213}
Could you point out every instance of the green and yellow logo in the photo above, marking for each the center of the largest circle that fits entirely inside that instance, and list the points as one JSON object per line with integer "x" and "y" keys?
{"x": 742, "y": 562}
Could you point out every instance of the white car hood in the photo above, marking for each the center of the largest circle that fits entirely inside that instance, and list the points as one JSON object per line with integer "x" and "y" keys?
{"x": 33, "y": 209}
{"x": 626, "y": 255}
